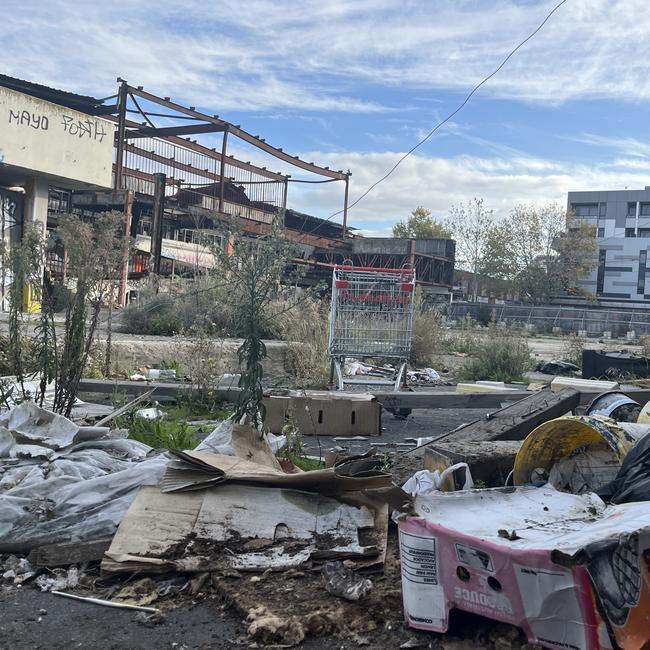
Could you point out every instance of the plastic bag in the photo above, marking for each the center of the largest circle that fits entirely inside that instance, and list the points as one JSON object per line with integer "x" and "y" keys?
{"x": 425, "y": 481}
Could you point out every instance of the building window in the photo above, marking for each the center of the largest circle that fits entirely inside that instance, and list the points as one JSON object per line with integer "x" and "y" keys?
{"x": 602, "y": 210}
{"x": 644, "y": 209}
{"x": 585, "y": 209}
{"x": 631, "y": 209}
{"x": 601, "y": 233}
{"x": 640, "y": 284}
{"x": 600, "y": 278}
{"x": 643, "y": 232}
{"x": 629, "y": 232}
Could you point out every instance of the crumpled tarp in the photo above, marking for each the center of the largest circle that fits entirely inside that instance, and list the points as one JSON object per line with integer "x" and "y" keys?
{"x": 632, "y": 483}
{"x": 63, "y": 483}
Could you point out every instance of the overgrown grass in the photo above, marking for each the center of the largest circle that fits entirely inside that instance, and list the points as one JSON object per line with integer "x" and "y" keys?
{"x": 500, "y": 355}
{"x": 160, "y": 434}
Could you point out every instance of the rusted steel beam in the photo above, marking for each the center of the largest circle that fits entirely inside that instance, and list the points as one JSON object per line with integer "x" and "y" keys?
{"x": 162, "y": 132}
{"x": 119, "y": 136}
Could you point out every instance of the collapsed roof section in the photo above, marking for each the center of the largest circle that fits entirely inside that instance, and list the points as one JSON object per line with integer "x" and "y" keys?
{"x": 153, "y": 136}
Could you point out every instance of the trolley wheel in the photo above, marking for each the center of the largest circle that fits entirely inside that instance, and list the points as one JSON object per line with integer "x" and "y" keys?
{"x": 401, "y": 413}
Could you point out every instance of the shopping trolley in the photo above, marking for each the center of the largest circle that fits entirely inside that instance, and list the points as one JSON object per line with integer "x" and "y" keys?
{"x": 372, "y": 317}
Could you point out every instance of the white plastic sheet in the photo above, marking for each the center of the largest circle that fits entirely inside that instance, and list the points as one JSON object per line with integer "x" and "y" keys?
{"x": 52, "y": 493}
{"x": 220, "y": 440}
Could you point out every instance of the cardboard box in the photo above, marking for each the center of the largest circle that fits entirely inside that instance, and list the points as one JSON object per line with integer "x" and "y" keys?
{"x": 323, "y": 413}
{"x": 566, "y": 569}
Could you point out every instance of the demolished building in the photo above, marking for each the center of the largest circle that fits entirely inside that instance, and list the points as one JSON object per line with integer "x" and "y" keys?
{"x": 176, "y": 191}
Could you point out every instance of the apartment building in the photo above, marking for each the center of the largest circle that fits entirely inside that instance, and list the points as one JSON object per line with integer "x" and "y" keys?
{"x": 622, "y": 222}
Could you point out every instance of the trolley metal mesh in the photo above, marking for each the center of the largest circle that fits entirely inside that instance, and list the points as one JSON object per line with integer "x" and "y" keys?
{"x": 372, "y": 312}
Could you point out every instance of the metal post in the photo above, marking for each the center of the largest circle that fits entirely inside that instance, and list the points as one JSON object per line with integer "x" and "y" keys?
{"x": 124, "y": 275}
{"x": 222, "y": 181}
{"x": 345, "y": 206}
{"x": 159, "y": 182}
{"x": 284, "y": 199}
{"x": 119, "y": 135}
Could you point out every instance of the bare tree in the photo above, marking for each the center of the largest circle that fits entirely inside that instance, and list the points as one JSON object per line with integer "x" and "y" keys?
{"x": 471, "y": 225}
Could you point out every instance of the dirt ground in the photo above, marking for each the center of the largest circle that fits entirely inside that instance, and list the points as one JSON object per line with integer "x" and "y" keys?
{"x": 282, "y": 606}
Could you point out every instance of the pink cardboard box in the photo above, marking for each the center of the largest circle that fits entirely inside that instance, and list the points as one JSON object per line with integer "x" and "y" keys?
{"x": 566, "y": 569}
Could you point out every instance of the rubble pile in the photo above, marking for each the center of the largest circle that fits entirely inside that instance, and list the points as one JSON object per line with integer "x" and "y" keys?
{"x": 530, "y": 525}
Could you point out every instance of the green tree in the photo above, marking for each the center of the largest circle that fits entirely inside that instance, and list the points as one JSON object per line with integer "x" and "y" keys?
{"x": 541, "y": 251}
{"x": 420, "y": 225}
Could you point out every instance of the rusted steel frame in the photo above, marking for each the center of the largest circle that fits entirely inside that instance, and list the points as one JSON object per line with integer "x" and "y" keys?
{"x": 124, "y": 273}
{"x": 199, "y": 148}
{"x": 243, "y": 135}
{"x": 162, "y": 132}
{"x": 119, "y": 135}
{"x": 158, "y": 214}
{"x": 170, "y": 162}
{"x": 137, "y": 173}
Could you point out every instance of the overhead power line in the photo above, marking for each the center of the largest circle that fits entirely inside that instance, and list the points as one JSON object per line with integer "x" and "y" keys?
{"x": 452, "y": 114}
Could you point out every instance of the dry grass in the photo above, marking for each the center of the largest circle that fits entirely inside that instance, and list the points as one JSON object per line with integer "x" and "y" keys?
{"x": 305, "y": 326}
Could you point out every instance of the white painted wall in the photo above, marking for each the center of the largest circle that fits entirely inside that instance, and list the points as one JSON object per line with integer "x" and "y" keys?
{"x": 41, "y": 137}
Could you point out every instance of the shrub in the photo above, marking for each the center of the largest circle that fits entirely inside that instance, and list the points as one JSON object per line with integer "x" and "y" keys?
{"x": 152, "y": 314}
{"x": 502, "y": 355}
{"x": 572, "y": 350}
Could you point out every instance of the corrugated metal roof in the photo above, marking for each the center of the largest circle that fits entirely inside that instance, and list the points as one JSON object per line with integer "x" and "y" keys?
{"x": 83, "y": 103}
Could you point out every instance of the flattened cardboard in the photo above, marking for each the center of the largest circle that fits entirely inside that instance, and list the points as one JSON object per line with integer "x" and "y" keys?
{"x": 195, "y": 470}
{"x": 163, "y": 531}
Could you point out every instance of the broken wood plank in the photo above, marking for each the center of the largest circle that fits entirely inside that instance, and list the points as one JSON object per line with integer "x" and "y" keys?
{"x": 53, "y": 555}
{"x": 448, "y": 399}
{"x": 516, "y": 421}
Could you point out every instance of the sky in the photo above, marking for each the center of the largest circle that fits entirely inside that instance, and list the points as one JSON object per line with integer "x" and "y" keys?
{"x": 355, "y": 84}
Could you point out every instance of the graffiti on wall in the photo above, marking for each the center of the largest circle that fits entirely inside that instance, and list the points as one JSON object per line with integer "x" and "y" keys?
{"x": 80, "y": 128}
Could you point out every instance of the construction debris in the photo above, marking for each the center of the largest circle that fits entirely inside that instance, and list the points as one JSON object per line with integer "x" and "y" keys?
{"x": 587, "y": 450}
{"x": 583, "y": 385}
{"x": 567, "y": 552}
{"x": 615, "y": 404}
{"x": 343, "y": 582}
{"x": 517, "y": 420}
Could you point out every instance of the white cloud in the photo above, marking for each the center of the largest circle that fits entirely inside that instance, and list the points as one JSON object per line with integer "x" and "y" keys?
{"x": 265, "y": 54}
{"x": 439, "y": 183}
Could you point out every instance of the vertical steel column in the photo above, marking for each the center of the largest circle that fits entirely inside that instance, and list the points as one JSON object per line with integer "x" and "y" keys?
{"x": 159, "y": 183}
{"x": 345, "y": 207}
{"x": 119, "y": 135}
{"x": 285, "y": 189}
{"x": 222, "y": 180}
{"x": 124, "y": 274}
